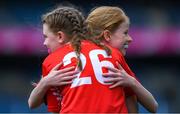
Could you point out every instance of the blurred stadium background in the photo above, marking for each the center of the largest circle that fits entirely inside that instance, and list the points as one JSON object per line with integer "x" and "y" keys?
{"x": 154, "y": 54}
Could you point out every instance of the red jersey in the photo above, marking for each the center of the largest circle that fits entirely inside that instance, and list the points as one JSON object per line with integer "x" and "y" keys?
{"x": 88, "y": 93}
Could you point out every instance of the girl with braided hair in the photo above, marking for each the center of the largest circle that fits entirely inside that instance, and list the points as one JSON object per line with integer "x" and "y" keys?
{"x": 103, "y": 25}
{"x": 63, "y": 29}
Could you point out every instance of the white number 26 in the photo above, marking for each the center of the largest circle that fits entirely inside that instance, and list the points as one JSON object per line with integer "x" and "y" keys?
{"x": 96, "y": 63}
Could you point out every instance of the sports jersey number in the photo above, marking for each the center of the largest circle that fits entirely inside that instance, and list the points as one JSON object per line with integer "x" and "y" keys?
{"x": 96, "y": 63}
{"x": 77, "y": 81}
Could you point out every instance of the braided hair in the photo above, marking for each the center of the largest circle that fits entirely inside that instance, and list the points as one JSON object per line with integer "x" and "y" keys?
{"x": 72, "y": 23}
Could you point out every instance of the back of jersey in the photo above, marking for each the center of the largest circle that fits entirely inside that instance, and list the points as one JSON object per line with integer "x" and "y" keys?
{"x": 88, "y": 93}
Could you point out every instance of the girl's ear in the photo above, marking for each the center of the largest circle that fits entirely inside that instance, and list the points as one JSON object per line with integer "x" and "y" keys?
{"x": 107, "y": 35}
{"x": 61, "y": 37}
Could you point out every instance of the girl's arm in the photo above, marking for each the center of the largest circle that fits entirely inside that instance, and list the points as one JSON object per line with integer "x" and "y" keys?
{"x": 54, "y": 78}
{"x": 119, "y": 77}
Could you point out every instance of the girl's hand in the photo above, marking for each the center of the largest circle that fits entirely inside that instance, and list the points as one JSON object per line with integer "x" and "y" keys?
{"x": 61, "y": 77}
{"x": 118, "y": 77}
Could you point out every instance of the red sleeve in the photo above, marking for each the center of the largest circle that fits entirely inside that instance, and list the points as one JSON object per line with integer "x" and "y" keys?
{"x": 122, "y": 61}
{"x": 128, "y": 90}
{"x": 53, "y": 98}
